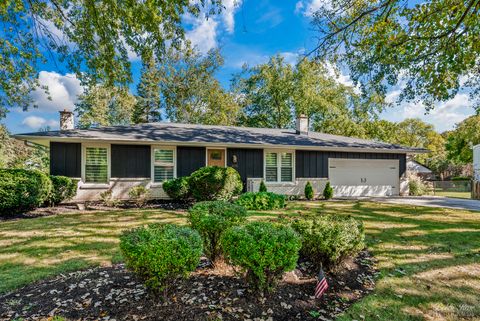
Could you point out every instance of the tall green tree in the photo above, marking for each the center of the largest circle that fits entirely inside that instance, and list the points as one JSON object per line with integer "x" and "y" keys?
{"x": 15, "y": 154}
{"x": 266, "y": 94}
{"x": 148, "y": 103}
{"x": 105, "y": 106}
{"x": 272, "y": 94}
{"x": 332, "y": 107}
{"x": 462, "y": 139}
{"x": 411, "y": 132}
{"x": 190, "y": 93}
{"x": 94, "y": 39}
{"x": 430, "y": 46}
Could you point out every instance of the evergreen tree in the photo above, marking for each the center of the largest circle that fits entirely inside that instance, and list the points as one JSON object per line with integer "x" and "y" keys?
{"x": 147, "y": 107}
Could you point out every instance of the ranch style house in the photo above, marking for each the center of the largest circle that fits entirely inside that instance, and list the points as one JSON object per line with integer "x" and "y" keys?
{"x": 120, "y": 157}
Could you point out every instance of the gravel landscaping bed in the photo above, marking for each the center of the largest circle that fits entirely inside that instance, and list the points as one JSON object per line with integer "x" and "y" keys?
{"x": 113, "y": 293}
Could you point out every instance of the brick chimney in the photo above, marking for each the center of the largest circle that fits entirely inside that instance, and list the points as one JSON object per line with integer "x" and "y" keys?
{"x": 302, "y": 124}
{"x": 66, "y": 120}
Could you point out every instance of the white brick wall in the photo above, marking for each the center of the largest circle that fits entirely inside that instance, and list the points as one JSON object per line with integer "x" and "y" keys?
{"x": 120, "y": 188}
{"x": 295, "y": 188}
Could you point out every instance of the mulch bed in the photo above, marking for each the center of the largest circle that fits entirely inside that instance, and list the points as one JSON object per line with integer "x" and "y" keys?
{"x": 94, "y": 207}
{"x": 113, "y": 293}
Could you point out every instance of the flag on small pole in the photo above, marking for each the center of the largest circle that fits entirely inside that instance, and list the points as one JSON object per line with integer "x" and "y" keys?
{"x": 322, "y": 284}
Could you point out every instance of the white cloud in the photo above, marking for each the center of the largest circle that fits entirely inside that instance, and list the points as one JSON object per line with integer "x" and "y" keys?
{"x": 309, "y": 7}
{"x": 62, "y": 89}
{"x": 204, "y": 34}
{"x": 341, "y": 77}
{"x": 228, "y": 13}
{"x": 290, "y": 57}
{"x": 204, "y": 30}
{"x": 272, "y": 17}
{"x": 444, "y": 116}
{"x": 36, "y": 122}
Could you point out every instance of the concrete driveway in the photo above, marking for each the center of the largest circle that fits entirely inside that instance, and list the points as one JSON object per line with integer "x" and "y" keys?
{"x": 432, "y": 201}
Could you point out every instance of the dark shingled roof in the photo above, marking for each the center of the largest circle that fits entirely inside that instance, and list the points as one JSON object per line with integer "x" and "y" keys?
{"x": 228, "y": 135}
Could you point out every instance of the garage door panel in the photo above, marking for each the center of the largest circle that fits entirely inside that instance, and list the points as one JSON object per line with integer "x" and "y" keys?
{"x": 361, "y": 177}
{"x": 363, "y": 190}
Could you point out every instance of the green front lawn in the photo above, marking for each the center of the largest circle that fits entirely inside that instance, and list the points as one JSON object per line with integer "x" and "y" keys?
{"x": 429, "y": 257}
{"x": 454, "y": 194}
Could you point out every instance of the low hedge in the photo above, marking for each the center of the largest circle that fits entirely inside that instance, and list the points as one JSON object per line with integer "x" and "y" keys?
{"x": 211, "y": 219}
{"x": 177, "y": 188}
{"x": 161, "y": 254}
{"x": 63, "y": 189}
{"x": 23, "y": 190}
{"x": 328, "y": 239}
{"x": 215, "y": 183}
{"x": 263, "y": 250}
{"x": 261, "y": 201}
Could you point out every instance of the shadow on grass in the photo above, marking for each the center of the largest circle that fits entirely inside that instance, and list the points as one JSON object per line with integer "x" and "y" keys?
{"x": 36, "y": 248}
{"x": 429, "y": 260}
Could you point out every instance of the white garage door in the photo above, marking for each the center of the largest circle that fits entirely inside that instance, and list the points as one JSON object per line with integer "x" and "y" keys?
{"x": 364, "y": 177}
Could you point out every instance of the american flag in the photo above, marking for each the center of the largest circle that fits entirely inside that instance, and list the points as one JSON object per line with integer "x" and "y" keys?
{"x": 322, "y": 285}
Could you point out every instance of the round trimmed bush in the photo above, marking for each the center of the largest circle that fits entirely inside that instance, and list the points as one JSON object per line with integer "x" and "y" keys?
{"x": 261, "y": 201}
{"x": 63, "y": 189}
{"x": 328, "y": 239}
{"x": 23, "y": 190}
{"x": 215, "y": 183}
{"x": 263, "y": 250}
{"x": 177, "y": 188}
{"x": 211, "y": 219}
{"x": 161, "y": 254}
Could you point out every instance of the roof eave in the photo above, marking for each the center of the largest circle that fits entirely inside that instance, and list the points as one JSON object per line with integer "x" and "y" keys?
{"x": 246, "y": 145}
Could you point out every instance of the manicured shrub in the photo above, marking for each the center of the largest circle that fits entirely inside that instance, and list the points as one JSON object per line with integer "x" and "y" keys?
{"x": 328, "y": 239}
{"x": 261, "y": 201}
{"x": 23, "y": 190}
{"x": 215, "y": 183}
{"x": 139, "y": 195}
{"x": 211, "y": 219}
{"x": 63, "y": 189}
{"x": 328, "y": 191}
{"x": 108, "y": 199}
{"x": 262, "y": 187}
{"x": 309, "y": 194}
{"x": 263, "y": 250}
{"x": 177, "y": 188}
{"x": 161, "y": 254}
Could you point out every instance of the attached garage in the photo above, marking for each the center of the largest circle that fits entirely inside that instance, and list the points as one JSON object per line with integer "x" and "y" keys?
{"x": 364, "y": 177}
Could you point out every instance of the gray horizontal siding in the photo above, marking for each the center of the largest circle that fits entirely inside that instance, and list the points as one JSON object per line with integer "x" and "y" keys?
{"x": 314, "y": 164}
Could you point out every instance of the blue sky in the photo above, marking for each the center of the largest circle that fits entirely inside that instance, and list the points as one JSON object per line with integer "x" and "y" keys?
{"x": 247, "y": 31}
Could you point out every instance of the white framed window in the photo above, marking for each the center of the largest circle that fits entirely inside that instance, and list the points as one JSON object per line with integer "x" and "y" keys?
{"x": 279, "y": 166}
{"x": 96, "y": 164}
{"x": 163, "y": 163}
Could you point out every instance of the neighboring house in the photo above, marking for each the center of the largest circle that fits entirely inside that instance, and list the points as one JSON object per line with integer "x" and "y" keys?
{"x": 476, "y": 173}
{"x": 476, "y": 163}
{"x": 414, "y": 167}
{"x": 120, "y": 157}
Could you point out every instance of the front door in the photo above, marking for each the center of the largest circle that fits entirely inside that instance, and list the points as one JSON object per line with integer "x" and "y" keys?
{"x": 216, "y": 157}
